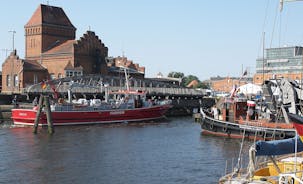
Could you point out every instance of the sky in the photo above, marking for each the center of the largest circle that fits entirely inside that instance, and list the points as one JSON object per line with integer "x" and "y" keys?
{"x": 195, "y": 37}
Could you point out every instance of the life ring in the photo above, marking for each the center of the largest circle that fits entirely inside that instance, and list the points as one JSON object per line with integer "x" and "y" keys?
{"x": 224, "y": 128}
{"x": 282, "y": 135}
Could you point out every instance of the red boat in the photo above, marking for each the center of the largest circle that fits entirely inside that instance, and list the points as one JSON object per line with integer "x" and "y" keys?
{"x": 126, "y": 106}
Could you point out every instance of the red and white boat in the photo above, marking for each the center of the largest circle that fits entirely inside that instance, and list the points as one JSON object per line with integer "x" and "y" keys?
{"x": 119, "y": 106}
{"x": 126, "y": 106}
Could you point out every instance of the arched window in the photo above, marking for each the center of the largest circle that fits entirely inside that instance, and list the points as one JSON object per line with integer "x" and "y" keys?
{"x": 8, "y": 80}
{"x": 35, "y": 79}
{"x": 16, "y": 80}
{"x": 52, "y": 76}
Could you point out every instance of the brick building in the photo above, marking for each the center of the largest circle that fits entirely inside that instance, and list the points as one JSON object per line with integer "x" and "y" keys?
{"x": 51, "y": 52}
{"x": 226, "y": 84}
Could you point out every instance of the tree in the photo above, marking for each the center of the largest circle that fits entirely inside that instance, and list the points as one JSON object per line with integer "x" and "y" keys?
{"x": 176, "y": 74}
{"x": 189, "y": 78}
{"x": 203, "y": 85}
{"x": 185, "y": 80}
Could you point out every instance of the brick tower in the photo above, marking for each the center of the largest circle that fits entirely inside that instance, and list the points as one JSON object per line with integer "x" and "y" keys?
{"x": 48, "y": 27}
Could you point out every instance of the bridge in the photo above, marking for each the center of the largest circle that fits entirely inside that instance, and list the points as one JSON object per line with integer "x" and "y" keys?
{"x": 97, "y": 84}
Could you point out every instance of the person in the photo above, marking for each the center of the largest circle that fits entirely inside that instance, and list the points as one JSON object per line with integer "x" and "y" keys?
{"x": 250, "y": 113}
{"x": 14, "y": 101}
{"x": 215, "y": 112}
{"x": 35, "y": 101}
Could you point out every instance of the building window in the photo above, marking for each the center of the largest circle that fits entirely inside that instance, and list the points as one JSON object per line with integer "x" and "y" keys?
{"x": 52, "y": 76}
{"x": 16, "y": 80}
{"x": 8, "y": 80}
{"x": 35, "y": 79}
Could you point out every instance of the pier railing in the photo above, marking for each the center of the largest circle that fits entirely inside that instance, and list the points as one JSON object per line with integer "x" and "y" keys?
{"x": 150, "y": 90}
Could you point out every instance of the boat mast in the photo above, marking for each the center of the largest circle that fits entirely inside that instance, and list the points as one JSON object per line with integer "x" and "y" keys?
{"x": 263, "y": 56}
{"x": 126, "y": 79}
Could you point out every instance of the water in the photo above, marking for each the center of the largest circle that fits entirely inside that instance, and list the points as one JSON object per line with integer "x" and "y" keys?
{"x": 170, "y": 152}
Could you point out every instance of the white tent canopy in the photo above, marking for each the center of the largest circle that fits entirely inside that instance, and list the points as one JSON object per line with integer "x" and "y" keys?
{"x": 249, "y": 89}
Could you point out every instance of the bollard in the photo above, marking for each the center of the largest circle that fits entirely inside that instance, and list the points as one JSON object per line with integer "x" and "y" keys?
{"x": 50, "y": 126}
{"x": 40, "y": 106}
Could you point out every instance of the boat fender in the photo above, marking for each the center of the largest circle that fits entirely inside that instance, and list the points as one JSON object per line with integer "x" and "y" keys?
{"x": 282, "y": 135}
{"x": 260, "y": 133}
{"x": 224, "y": 128}
{"x": 211, "y": 126}
{"x": 285, "y": 179}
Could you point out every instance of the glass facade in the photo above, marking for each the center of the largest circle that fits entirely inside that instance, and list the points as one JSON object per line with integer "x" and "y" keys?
{"x": 281, "y": 61}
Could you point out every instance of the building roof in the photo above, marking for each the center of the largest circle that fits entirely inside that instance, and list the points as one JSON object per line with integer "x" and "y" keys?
{"x": 32, "y": 65}
{"x": 52, "y": 15}
{"x": 65, "y": 47}
{"x": 193, "y": 83}
{"x": 69, "y": 66}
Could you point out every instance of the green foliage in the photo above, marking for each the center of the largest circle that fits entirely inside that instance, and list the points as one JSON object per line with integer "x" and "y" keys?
{"x": 185, "y": 80}
{"x": 176, "y": 74}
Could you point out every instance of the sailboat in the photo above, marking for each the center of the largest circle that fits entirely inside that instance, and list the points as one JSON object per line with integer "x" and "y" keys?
{"x": 284, "y": 163}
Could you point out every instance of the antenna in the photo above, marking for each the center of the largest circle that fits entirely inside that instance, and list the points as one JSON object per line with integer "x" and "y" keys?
{"x": 13, "y": 33}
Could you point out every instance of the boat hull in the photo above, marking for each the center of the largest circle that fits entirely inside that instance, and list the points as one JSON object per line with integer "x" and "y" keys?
{"x": 250, "y": 130}
{"x": 28, "y": 116}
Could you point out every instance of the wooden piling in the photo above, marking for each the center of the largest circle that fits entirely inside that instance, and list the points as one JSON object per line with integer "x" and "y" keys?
{"x": 50, "y": 126}
{"x": 40, "y": 106}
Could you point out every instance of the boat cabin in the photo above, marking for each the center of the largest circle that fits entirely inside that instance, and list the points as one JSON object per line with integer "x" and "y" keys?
{"x": 234, "y": 109}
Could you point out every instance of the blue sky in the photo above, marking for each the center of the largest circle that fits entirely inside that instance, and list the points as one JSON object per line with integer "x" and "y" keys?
{"x": 196, "y": 37}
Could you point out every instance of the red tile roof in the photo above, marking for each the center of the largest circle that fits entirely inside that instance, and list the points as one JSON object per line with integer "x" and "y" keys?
{"x": 65, "y": 47}
{"x": 45, "y": 14}
{"x": 31, "y": 65}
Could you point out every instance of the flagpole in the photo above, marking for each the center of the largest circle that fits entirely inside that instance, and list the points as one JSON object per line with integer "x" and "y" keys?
{"x": 296, "y": 149}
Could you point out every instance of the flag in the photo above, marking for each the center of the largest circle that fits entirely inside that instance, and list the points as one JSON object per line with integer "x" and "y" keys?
{"x": 43, "y": 85}
{"x": 245, "y": 73}
{"x": 298, "y": 124}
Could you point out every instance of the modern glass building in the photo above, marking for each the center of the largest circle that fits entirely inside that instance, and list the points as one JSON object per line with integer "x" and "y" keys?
{"x": 280, "y": 62}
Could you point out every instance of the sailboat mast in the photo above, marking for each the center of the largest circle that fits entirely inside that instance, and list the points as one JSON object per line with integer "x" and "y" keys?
{"x": 263, "y": 56}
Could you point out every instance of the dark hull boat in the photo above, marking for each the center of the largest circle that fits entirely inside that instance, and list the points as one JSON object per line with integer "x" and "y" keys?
{"x": 250, "y": 129}
{"x": 263, "y": 118}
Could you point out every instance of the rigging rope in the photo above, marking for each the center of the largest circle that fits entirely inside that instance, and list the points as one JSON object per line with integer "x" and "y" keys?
{"x": 241, "y": 148}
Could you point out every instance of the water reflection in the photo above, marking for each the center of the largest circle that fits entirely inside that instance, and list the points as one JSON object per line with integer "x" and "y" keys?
{"x": 173, "y": 151}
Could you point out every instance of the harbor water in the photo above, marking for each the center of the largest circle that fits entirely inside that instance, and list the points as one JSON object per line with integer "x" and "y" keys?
{"x": 172, "y": 151}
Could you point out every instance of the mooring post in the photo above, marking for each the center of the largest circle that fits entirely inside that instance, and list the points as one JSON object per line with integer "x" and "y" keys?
{"x": 50, "y": 126}
{"x": 40, "y": 106}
